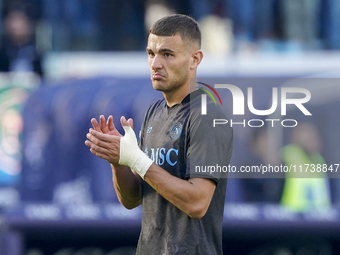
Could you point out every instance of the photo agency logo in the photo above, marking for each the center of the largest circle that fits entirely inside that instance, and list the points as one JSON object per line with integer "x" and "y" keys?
{"x": 238, "y": 99}
{"x": 204, "y": 97}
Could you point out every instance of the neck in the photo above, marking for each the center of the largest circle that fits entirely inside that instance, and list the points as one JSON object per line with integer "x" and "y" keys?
{"x": 20, "y": 40}
{"x": 175, "y": 97}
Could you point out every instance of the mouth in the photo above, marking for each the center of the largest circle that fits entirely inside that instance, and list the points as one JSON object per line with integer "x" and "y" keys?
{"x": 157, "y": 76}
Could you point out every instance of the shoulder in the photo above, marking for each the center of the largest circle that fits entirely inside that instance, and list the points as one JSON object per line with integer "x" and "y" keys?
{"x": 211, "y": 128}
{"x": 213, "y": 109}
{"x": 154, "y": 108}
{"x": 214, "y": 113}
{"x": 200, "y": 119}
{"x": 157, "y": 104}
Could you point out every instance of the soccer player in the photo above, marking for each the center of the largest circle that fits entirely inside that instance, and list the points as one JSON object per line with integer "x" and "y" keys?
{"x": 182, "y": 207}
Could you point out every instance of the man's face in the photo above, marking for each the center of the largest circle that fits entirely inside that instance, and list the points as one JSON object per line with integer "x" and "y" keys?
{"x": 18, "y": 26}
{"x": 169, "y": 62}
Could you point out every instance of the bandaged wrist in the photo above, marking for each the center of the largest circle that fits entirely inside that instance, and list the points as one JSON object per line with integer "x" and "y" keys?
{"x": 130, "y": 154}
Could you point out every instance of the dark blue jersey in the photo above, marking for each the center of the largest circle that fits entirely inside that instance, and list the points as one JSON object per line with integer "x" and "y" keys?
{"x": 179, "y": 139}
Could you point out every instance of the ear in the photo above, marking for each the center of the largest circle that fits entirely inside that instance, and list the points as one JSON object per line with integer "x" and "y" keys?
{"x": 196, "y": 59}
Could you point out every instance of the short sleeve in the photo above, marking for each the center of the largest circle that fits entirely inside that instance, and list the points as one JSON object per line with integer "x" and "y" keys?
{"x": 209, "y": 148}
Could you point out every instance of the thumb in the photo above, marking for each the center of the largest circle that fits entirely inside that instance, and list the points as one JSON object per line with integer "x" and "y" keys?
{"x": 124, "y": 122}
{"x": 130, "y": 121}
{"x": 129, "y": 133}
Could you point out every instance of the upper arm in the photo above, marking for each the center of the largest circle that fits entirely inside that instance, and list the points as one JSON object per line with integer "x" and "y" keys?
{"x": 205, "y": 186}
{"x": 209, "y": 148}
{"x": 205, "y": 189}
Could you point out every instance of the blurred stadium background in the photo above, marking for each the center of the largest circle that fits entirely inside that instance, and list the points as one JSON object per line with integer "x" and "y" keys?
{"x": 64, "y": 62}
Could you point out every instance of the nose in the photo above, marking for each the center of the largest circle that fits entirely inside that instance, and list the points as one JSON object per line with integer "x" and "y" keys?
{"x": 156, "y": 62}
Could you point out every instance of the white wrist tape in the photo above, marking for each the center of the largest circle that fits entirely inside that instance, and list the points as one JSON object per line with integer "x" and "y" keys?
{"x": 130, "y": 154}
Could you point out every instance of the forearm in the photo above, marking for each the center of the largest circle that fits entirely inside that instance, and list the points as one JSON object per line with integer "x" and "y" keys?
{"x": 191, "y": 196}
{"x": 128, "y": 186}
{"x": 104, "y": 142}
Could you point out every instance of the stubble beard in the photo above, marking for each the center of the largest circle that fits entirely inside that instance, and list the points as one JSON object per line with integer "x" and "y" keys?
{"x": 171, "y": 86}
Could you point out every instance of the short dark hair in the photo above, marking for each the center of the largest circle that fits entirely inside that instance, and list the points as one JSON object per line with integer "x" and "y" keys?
{"x": 180, "y": 24}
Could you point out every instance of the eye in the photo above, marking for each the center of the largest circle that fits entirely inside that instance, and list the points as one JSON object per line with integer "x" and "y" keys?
{"x": 151, "y": 54}
{"x": 167, "y": 55}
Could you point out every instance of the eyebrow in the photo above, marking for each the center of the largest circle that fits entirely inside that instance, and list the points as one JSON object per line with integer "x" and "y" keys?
{"x": 161, "y": 50}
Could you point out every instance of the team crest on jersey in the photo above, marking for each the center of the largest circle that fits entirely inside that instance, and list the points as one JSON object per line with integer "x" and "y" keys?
{"x": 176, "y": 131}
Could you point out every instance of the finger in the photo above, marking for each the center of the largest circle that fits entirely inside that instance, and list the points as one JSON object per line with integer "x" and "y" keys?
{"x": 110, "y": 123}
{"x": 130, "y": 121}
{"x": 97, "y": 137}
{"x": 94, "y": 140}
{"x": 95, "y": 124}
{"x": 103, "y": 126}
{"x": 88, "y": 143}
{"x": 98, "y": 154}
{"x": 124, "y": 122}
{"x": 99, "y": 149}
{"x": 105, "y": 155}
{"x": 96, "y": 147}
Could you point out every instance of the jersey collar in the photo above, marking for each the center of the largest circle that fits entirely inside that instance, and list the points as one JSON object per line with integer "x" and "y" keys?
{"x": 191, "y": 96}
